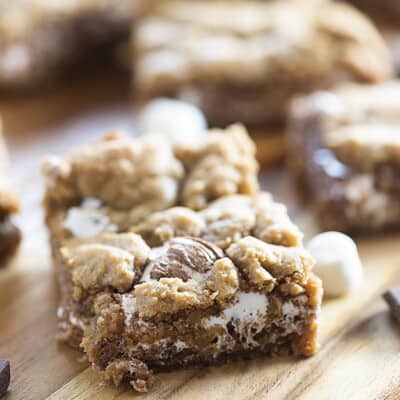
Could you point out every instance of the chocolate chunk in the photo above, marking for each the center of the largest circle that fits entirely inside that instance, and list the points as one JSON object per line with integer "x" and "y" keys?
{"x": 10, "y": 238}
{"x": 4, "y": 376}
{"x": 184, "y": 256}
{"x": 392, "y": 298}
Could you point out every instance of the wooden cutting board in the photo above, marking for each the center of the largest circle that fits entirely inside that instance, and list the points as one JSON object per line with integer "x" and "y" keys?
{"x": 360, "y": 343}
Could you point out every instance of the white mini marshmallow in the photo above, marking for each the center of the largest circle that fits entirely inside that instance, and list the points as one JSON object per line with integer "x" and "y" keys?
{"x": 337, "y": 263}
{"x": 83, "y": 223}
{"x": 86, "y": 221}
{"x": 181, "y": 122}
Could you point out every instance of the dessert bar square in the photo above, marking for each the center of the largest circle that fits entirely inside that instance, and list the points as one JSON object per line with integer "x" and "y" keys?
{"x": 111, "y": 185}
{"x": 344, "y": 145}
{"x": 10, "y": 236}
{"x": 40, "y": 39}
{"x": 241, "y": 288}
{"x": 252, "y": 57}
{"x": 152, "y": 279}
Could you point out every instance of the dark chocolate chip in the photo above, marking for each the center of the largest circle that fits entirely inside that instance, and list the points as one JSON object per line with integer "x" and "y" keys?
{"x": 10, "y": 237}
{"x": 392, "y": 298}
{"x": 4, "y": 376}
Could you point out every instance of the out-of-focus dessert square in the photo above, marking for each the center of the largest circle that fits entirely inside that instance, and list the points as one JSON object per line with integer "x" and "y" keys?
{"x": 244, "y": 60}
{"x": 344, "y": 145}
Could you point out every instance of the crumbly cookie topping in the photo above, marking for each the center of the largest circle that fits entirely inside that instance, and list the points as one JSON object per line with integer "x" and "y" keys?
{"x": 162, "y": 226}
{"x": 265, "y": 264}
{"x": 131, "y": 178}
{"x": 222, "y": 165}
{"x": 127, "y": 172}
{"x": 106, "y": 260}
{"x": 225, "y": 221}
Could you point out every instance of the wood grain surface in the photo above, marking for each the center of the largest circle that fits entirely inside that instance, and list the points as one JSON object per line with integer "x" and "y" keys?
{"x": 360, "y": 343}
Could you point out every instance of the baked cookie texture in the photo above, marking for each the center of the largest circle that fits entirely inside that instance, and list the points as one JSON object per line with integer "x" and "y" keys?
{"x": 10, "y": 235}
{"x": 210, "y": 270}
{"x": 344, "y": 146}
{"x": 251, "y": 56}
{"x": 40, "y": 39}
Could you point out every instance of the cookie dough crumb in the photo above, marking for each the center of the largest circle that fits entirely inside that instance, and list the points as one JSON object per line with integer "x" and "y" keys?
{"x": 134, "y": 371}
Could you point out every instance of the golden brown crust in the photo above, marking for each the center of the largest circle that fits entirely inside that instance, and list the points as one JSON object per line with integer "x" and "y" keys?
{"x": 224, "y": 221}
{"x": 222, "y": 165}
{"x": 162, "y": 226}
{"x": 144, "y": 175}
{"x": 169, "y": 296}
{"x": 265, "y": 264}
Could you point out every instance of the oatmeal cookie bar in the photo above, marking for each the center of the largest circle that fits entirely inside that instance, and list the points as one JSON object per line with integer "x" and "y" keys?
{"x": 195, "y": 288}
{"x": 252, "y": 57}
{"x": 344, "y": 145}
{"x": 169, "y": 256}
{"x": 39, "y": 39}
{"x": 113, "y": 184}
{"x": 10, "y": 236}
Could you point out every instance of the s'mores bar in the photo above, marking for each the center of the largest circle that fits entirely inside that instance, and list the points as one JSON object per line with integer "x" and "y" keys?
{"x": 244, "y": 60}
{"x": 110, "y": 185}
{"x": 344, "y": 145}
{"x": 40, "y": 39}
{"x": 154, "y": 279}
{"x": 241, "y": 287}
{"x": 10, "y": 236}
